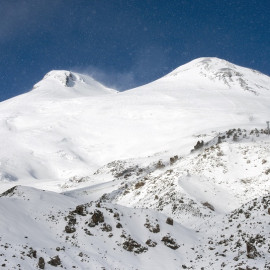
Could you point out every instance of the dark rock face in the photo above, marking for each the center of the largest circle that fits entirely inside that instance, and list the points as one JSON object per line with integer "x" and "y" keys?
{"x": 220, "y": 139}
{"x": 70, "y": 229}
{"x": 106, "y": 228}
{"x": 32, "y": 253}
{"x": 116, "y": 216}
{"x": 169, "y": 221}
{"x": 119, "y": 225}
{"x": 41, "y": 263}
{"x": 160, "y": 165}
{"x": 173, "y": 159}
{"x": 72, "y": 220}
{"x": 152, "y": 228}
{"x": 80, "y": 210}
{"x": 9, "y": 192}
{"x": 88, "y": 232}
{"x": 139, "y": 184}
{"x": 251, "y": 251}
{"x": 96, "y": 218}
{"x": 70, "y": 80}
{"x": 150, "y": 243}
{"x": 208, "y": 205}
{"x": 170, "y": 242}
{"x": 55, "y": 261}
{"x": 126, "y": 172}
{"x": 199, "y": 145}
{"x": 132, "y": 246}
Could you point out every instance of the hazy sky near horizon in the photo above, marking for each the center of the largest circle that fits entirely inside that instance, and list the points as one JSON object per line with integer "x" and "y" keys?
{"x": 128, "y": 43}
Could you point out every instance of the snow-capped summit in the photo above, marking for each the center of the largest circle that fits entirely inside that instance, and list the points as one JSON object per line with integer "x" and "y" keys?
{"x": 222, "y": 73}
{"x": 66, "y": 78}
{"x": 207, "y": 63}
{"x": 67, "y": 84}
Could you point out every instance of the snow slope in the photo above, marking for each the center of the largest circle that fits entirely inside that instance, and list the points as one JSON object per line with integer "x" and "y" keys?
{"x": 173, "y": 174}
{"x": 215, "y": 179}
{"x": 70, "y": 125}
{"x": 117, "y": 241}
{"x": 45, "y": 230}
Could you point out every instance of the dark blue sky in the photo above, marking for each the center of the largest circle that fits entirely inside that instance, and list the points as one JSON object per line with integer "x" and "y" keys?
{"x": 126, "y": 43}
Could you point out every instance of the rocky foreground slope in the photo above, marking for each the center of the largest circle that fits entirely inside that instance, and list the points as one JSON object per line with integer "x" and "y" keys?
{"x": 192, "y": 212}
{"x": 37, "y": 233}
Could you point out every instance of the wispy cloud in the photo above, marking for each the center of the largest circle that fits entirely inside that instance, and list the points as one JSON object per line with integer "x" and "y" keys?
{"x": 113, "y": 79}
{"x": 149, "y": 64}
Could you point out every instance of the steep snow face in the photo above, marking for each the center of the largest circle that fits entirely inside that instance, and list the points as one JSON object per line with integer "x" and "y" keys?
{"x": 70, "y": 125}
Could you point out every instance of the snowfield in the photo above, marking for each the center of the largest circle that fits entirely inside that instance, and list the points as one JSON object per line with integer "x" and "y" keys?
{"x": 174, "y": 174}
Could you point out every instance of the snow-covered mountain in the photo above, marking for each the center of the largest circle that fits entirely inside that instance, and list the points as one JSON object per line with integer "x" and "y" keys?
{"x": 166, "y": 161}
{"x": 70, "y": 125}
